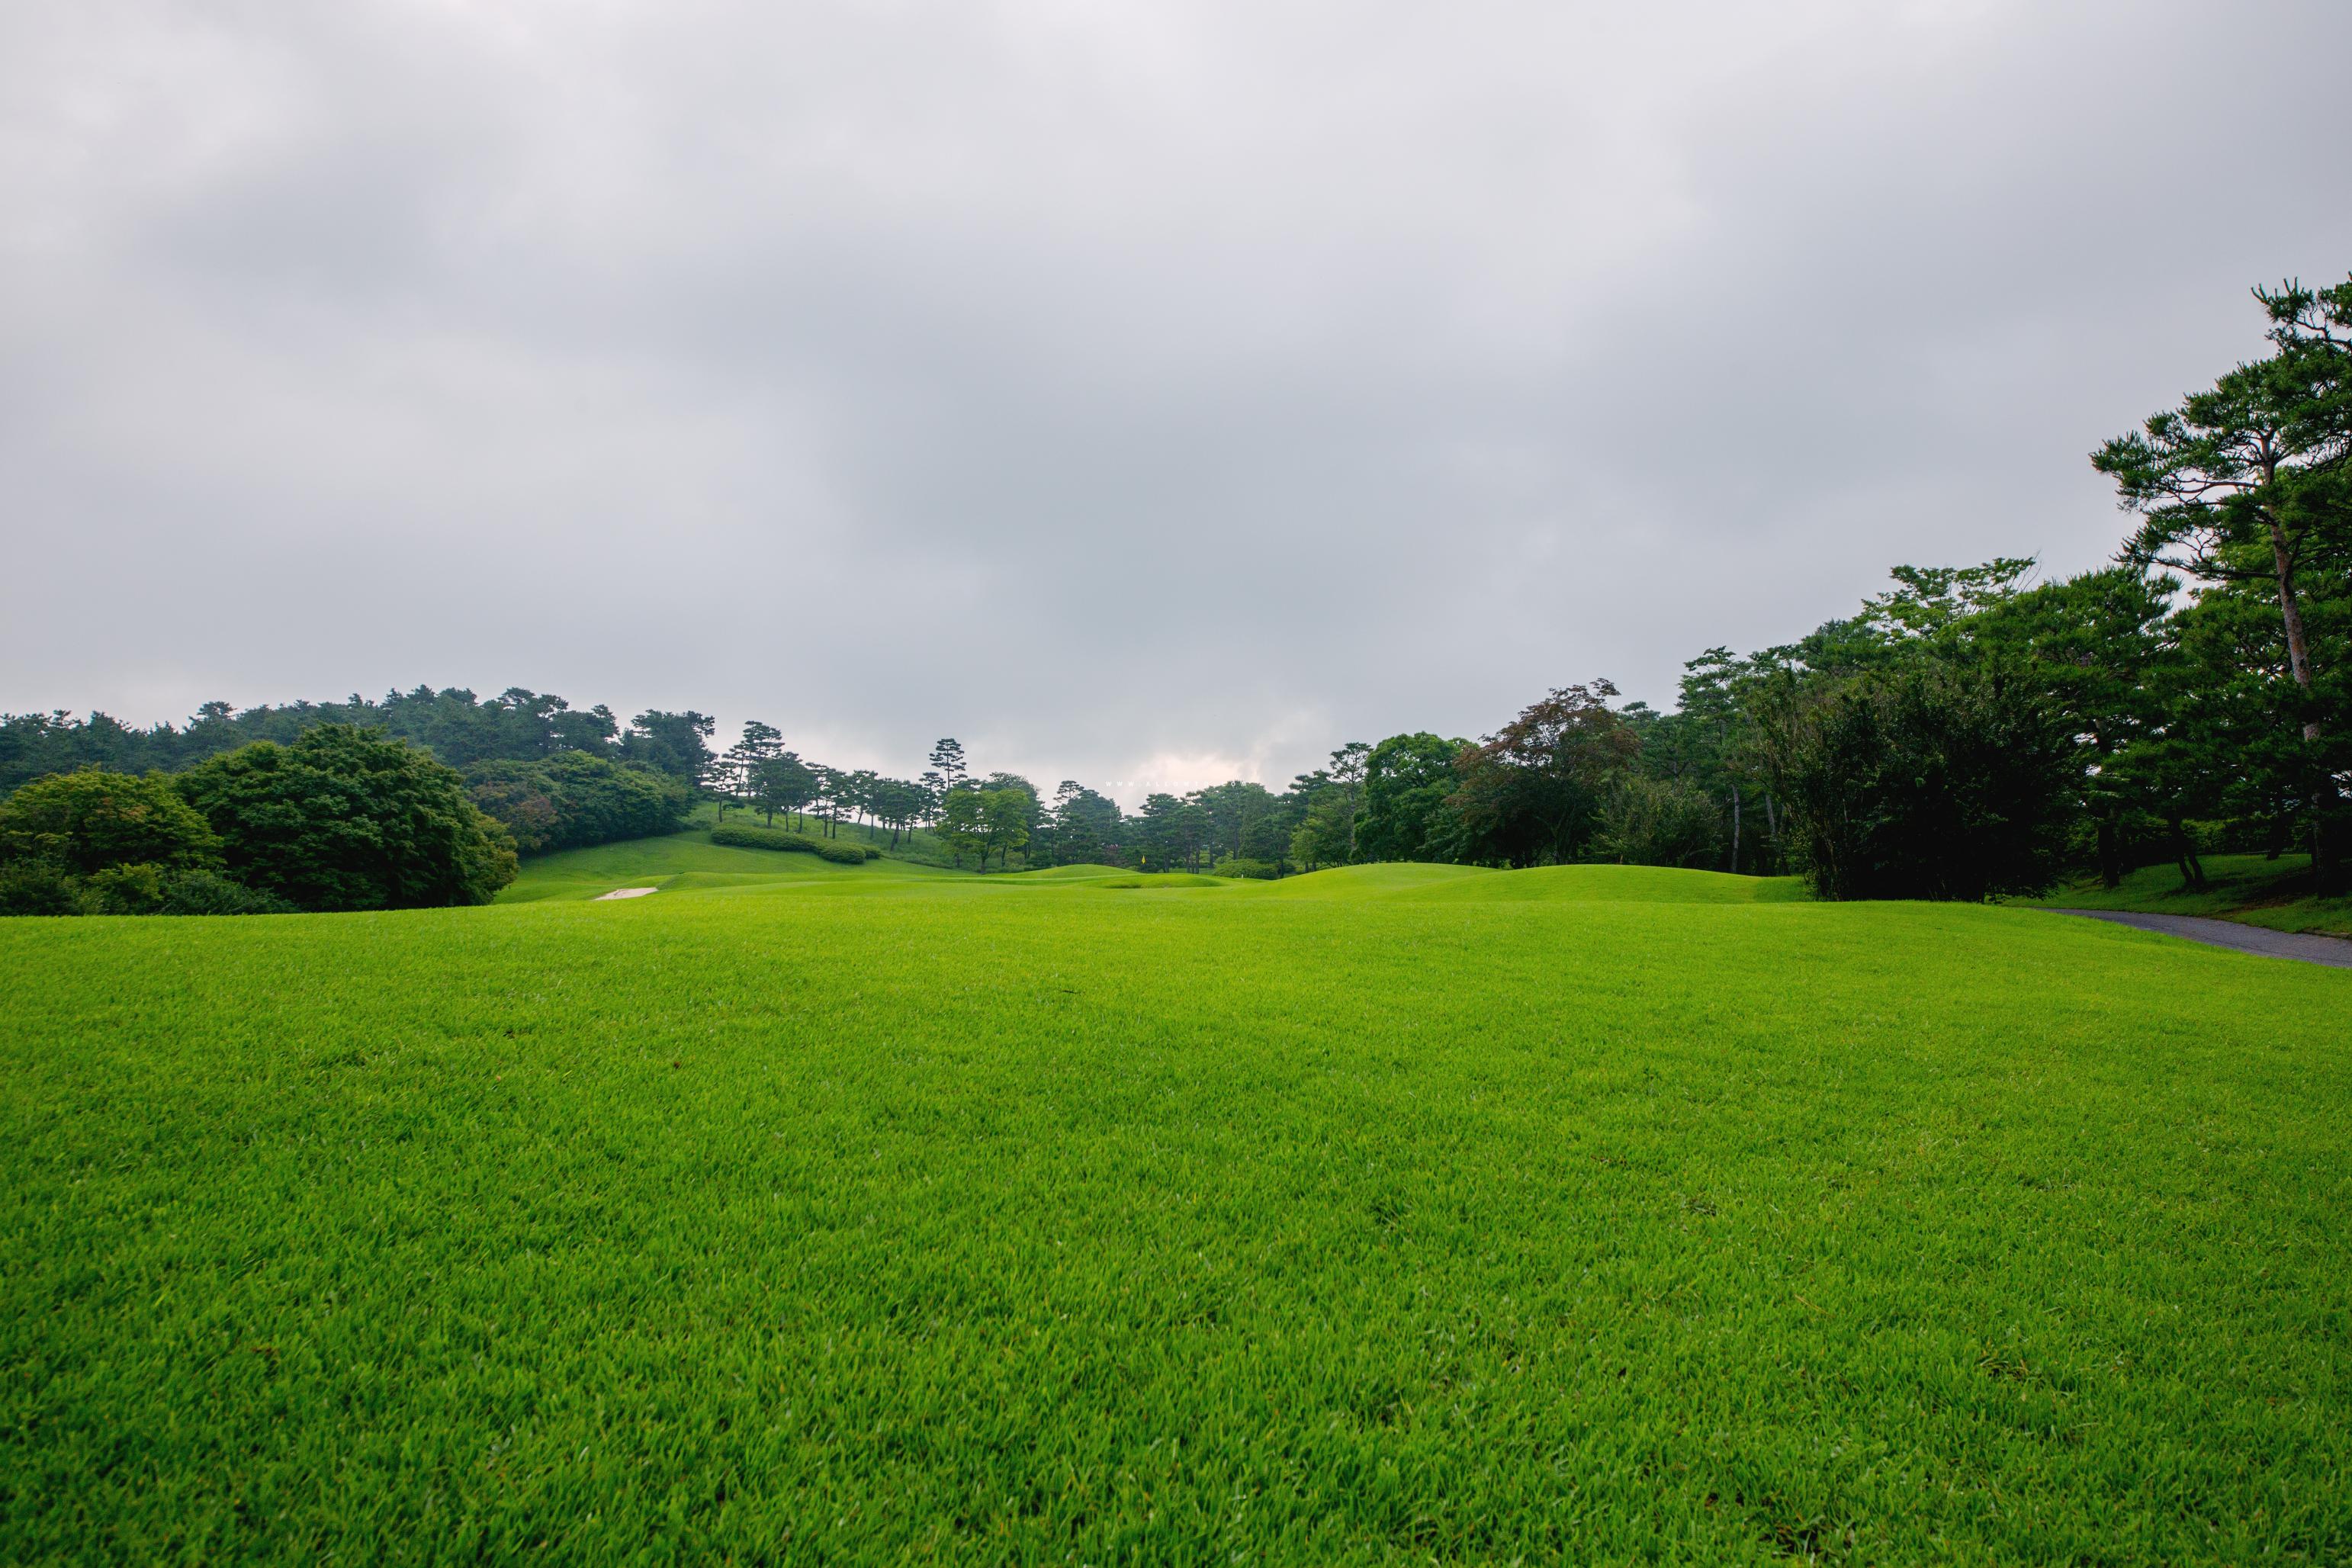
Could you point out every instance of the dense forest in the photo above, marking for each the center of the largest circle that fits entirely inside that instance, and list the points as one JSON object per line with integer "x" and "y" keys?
{"x": 1972, "y": 732}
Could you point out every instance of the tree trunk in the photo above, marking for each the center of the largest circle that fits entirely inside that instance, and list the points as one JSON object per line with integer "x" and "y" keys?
{"x": 2192, "y": 870}
{"x": 1735, "y": 825}
{"x": 2111, "y": 852}
{"x": 2298, "y": 644}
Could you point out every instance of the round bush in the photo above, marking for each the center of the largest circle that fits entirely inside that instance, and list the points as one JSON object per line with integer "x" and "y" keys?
{"x": 83, "y": 822}
{"x": 344, "y": 818}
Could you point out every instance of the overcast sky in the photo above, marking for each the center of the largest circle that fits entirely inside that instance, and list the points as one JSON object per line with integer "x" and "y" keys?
{"x": 1148, "y": 394}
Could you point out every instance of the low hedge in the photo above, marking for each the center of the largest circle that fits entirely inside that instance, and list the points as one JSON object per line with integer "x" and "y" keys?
{"x": 840, "y": 854}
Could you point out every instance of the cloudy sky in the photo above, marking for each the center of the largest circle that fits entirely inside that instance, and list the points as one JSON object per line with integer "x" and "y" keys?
{"x": 1144, "y": 393}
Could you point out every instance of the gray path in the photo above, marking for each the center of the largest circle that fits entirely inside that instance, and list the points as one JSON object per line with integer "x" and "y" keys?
{"x": 2333, "y": 951}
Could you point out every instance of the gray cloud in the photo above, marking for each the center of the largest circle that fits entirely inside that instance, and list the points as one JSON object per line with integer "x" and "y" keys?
{"x": 1141, "y": 394}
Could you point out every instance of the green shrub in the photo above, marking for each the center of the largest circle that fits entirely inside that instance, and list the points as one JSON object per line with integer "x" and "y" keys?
{"x": 1926, "y": 782}
{"x": 37, "y": 888}
{"x": 572, "y": 799}
{"x": 1262, "y": 870}
{"x": 744, "y": 837}
{"x": 86, "y": 821}
{"x": 840, "y": 852}
{"x": 210, "y": 893}
{"x": 344, "y": 818}
{"x": 1657, "y": 822}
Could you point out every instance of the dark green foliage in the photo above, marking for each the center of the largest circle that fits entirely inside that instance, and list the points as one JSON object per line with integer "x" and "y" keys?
{"x": 453, "y": 724}
{"x": 94, "y": 842}
{"x": 1084, "y": 829}
{"x": 1325, "y": 828}
{"x": 204, "y": 892}
{"x": 90, "y": 819}
{"x": 1657, "y": 822}
{"x": 744, "y": 836}
{"x": 38, "y": 888}
{"x": 1407, "y": 779}
{"x": 1170, "y": 834}
{"x": 673, "y": 743}
{"x": 344, "y": 818}
{"x": 573, "y": 799}
{"x": 2247, "y": 485}
{"x": 1254, "y": 870}
{"x": 1530, "y": 794}
{"x": 1932, "y": 781}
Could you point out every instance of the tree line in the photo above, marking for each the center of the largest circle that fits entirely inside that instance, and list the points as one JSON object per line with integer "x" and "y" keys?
{"x": 1968, "y": 733}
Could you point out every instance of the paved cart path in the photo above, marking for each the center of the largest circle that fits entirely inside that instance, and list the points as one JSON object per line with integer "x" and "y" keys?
{"x": 2333, "y": 951}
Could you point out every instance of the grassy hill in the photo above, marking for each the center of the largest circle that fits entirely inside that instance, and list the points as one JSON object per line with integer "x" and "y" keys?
{"x": 865, "y": 1214}
{"x": 681, "y": 861}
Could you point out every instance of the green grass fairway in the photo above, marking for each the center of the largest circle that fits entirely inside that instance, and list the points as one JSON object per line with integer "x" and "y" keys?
{"x": 2246, "y": 888}
{"x": 869, "y": 1217}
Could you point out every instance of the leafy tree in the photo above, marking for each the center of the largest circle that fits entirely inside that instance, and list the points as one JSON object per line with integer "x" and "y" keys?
{"x": 899, "y": 804}
{"x": 781, "y": 781}
{"x": 1005, "y": 816}
{"x": 98, "y": 842}
{"x": 1033, "y": 811}
{"x": 734, "y": 776}
{"x": 86, "y": 821}
{"x": 1407, "y": 780}
{"x": 1086, "y": 826}
{"x": 962, "y": 826}
{"x": 1657, "y": 822}
{"x": 948, "y": 766}
{"x": 1242, "y": 819}
{"x": 1171, "y": 832}
{"x": 349, "y": 819}
{"x": 1347, "y": 773}
{"x": 1323, "y": 834}
{"x": 1933, "y": 780}
{"x": 1530, "y": 793}
{"x": 568, "y": 799}
{"x": 2096, "y": 645}
{"x": 2247, "y": 481}
{"x": 672, "y": 743}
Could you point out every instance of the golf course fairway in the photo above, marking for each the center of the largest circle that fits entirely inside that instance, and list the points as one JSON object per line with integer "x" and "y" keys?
{"x": 1392, "y": 1215}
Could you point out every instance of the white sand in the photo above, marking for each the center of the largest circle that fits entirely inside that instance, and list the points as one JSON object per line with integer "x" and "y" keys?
{"x": 623, "y": 893}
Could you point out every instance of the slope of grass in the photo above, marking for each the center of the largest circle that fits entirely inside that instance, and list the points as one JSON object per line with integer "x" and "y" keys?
{"x": 1613, "y": 884}
{"x": 874, "y": 1220}
{"x": 2246, "y": 888}
{"x": 660, "y": 862}
{"x": 1366, "y": 881}
{"x": 1109, "y": 876}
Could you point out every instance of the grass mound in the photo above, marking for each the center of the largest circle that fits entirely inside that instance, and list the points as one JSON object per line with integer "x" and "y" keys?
{"x": 577, "y": 874}
{"x": 893, "y": 1218}
{"x": 1613, "y": 884}
{"x": 1364, "y": 881}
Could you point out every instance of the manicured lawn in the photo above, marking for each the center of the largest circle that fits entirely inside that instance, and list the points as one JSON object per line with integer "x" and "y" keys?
{"x": 868, "y": 1217}
{"x": 682, "y": 861}
{"x": 2247, "y": 887}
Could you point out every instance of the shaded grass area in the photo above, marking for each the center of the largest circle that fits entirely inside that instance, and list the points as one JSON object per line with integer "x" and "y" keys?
{"x": 872, "y": 1219}
{"x": 2251, "y": 888}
